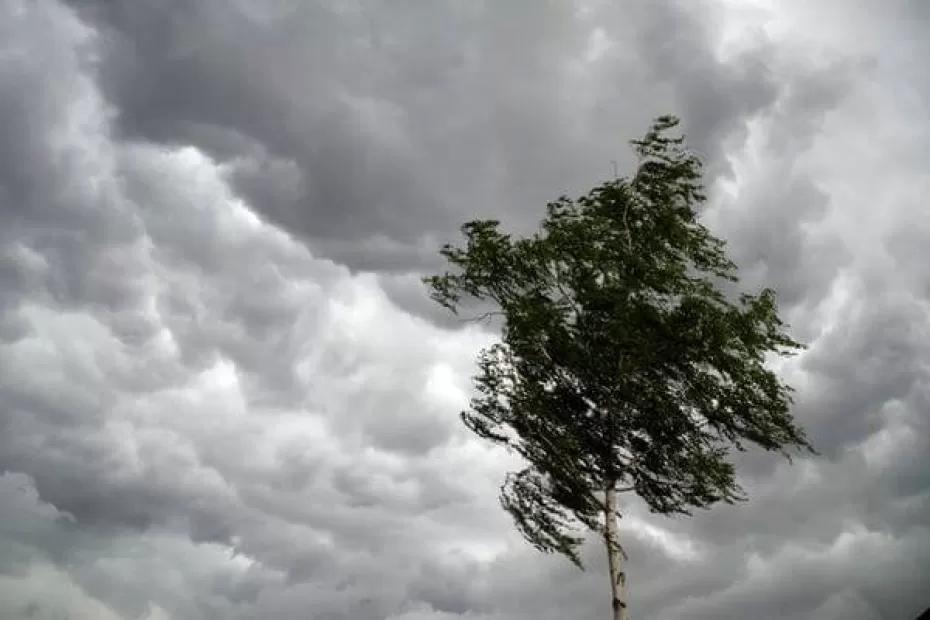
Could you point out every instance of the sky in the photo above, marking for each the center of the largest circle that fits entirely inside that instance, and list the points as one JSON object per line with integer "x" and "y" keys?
{"x": 225, "y": 394}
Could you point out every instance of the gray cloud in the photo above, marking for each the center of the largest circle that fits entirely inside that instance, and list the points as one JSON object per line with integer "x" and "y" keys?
{"x": 224, "y": 394}
{"x": 364, "y": 142}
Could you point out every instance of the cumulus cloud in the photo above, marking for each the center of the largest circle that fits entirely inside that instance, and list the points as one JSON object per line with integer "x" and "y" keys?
{"x": 224, "y": 393}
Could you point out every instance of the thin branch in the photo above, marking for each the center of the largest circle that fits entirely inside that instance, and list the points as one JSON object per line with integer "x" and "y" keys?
{"x": 481, "y": 317}
{"x": 626, "y": 227}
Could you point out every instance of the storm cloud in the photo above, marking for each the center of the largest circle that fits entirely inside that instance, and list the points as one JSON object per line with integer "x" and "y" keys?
{"x": 225, "y": 394}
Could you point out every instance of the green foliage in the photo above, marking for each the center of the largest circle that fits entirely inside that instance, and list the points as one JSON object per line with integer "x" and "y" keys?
{"x": 622, "y": 361}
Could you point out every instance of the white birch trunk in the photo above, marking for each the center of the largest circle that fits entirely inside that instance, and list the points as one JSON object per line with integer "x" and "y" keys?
{"x": 618, "y": 600}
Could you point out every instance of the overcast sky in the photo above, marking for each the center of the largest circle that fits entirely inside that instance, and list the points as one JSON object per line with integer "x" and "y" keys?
{"x": 224, "y": 393}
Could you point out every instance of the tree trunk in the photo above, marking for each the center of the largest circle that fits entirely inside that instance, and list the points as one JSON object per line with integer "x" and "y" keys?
{"x": 614, "y": 555}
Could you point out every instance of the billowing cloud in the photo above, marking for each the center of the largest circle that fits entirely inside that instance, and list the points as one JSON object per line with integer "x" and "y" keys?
{"x": 356, "y": 128}
{"x": 224, "y": 393}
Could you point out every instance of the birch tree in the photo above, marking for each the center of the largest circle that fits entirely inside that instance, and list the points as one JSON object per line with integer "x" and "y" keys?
{"x": 626, "y": 364}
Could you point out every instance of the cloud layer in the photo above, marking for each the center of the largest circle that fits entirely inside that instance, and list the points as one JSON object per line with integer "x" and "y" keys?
{"x": 224, "y": 394}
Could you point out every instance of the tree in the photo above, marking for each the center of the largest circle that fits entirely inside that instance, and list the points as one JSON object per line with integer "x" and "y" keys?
{"x": 624, "y": 365}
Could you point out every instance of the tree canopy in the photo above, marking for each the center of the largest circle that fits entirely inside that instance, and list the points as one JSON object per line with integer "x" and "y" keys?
{"x": 624, "y": 362}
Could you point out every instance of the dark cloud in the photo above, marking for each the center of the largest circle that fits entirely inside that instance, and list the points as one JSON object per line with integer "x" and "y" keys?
{"x": 364, "y": 142}
{"x": 224, "y": 393}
